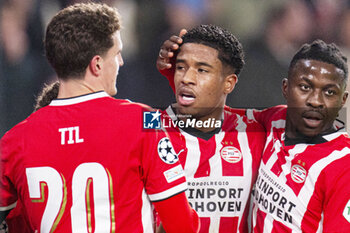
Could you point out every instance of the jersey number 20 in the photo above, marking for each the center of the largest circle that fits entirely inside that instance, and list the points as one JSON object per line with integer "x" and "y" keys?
{"x": 84, "y": 174}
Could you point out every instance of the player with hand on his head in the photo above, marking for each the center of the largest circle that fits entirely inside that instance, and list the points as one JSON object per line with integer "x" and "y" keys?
{"x": 220, "y": 161}
{"x": 84, "y": 163}
{"x": 303, "y": 178}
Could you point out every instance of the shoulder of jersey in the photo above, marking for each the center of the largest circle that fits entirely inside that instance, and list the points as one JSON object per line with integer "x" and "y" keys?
{"x": 236, "y": 115}
{"x": 128, "y": 104}
{"x": 277, "y": 111}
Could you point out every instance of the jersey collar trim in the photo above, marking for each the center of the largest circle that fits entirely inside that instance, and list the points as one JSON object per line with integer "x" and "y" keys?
{"x": 339, "y": 127}
{"x": 78, "y": 99}
{"x": 171, "y": 113}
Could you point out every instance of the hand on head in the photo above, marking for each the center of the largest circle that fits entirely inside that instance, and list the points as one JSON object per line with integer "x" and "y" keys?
{"x": 166, "y": 58}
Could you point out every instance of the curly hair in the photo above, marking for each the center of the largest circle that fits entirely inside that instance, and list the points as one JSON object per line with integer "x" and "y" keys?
{"x": 321, "y": 51}
{"x": 229, "y": 48}
{"x": 49, "y": 93}
{"x": 76, "y": 34}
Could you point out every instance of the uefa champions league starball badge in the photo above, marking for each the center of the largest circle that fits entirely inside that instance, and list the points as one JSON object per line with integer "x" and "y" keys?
{"x": 166, "y": 151}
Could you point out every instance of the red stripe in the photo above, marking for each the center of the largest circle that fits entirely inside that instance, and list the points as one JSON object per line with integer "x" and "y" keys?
{"x": 207, "y": 150}
{"x": 228, "y": 224}
{"x": 243, "y": 226}
{"x": 280, "y": 228}
{"x": 205, "y": 223}
{"x": 259, "y": 227}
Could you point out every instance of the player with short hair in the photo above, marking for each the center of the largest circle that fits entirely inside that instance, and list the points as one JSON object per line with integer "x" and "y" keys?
{"x": 84, "y": 163}
{"x": 302, "y": 184}
{"x": 303, "y": 178}
{"x": 220, "y": 161}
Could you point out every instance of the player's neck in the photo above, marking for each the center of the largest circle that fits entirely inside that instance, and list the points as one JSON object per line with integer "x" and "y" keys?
{"x": 75, "y": 87}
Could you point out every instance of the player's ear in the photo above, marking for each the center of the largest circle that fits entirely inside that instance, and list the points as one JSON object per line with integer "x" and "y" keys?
{"x": 230, "y": 83}
{"x": 285, "y": 87}
{"x": 345, "y": 96}
{"x": 95, "y": 65}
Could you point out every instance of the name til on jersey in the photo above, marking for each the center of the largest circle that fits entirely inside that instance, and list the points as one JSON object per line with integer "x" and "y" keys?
{"x": 70, "y": 135}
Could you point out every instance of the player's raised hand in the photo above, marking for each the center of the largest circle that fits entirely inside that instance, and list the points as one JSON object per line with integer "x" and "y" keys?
{"x": 166, "y": 57}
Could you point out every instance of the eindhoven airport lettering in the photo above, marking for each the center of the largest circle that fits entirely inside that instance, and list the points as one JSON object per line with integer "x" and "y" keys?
{"x": 269, "y": 196}
{"x": 215, "y": 198}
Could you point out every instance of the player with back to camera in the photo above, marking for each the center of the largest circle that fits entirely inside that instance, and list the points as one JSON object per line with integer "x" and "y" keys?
{"x": 302, "y": 184}
{"x": 83, "y": 163}
{"x": 220, "y": 162}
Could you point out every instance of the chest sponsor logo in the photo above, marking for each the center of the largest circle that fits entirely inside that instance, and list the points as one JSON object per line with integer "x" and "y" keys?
{"x": 271, "y": 196}
{"x": 166, "y": 151}
{"x": 231, "y": 154}
{"x": 298, "y": 173}
{"x": 346, "y": 212}
{"x": 211, "y": 197}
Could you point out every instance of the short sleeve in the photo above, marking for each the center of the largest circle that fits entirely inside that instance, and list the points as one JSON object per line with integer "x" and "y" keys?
{"x": 163, "y": 173}
{"x": 337, "y": 198}
{"x": 264, "y": 116}
{"x": 9, "y": 147}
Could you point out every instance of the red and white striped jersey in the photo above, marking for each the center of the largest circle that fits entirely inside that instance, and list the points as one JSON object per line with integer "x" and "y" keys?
{"x": 301, "y": 187}
{"x": 220, "y": 171}
{"x": 85, "y": 164}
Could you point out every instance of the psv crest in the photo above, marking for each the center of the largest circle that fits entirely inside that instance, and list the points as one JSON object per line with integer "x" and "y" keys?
{"x": 231, "y": 154}
{"x": 298, "y": 173}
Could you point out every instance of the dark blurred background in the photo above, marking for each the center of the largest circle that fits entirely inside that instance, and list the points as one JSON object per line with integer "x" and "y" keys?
{"x": 271, "y": 31}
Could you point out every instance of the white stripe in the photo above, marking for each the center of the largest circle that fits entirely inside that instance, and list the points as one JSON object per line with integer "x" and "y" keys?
{"x": 146, "y": 214}
{"x": 193, "y": 154}
{"x": 268, "y": 223}
{"x": 320, "y": 225}
{"x": 276, "y": 144}
{"x": 247, "y": 160}
{"x": 168, "y": 193}
{"x": 9, "y": 207}
{"x": 171, "y": 113}
{"x": 215, "y": 161}
{"x": 298, "y": 149}
{"x": 214, "y": 225}
{"x": 79, "y": 99}
{"x": 330, "y": 137}
{"x": 215, "y": 164}
{"x": 250, "y": 114}
{"x": 254, "y": 214}
{"x": 308, "y": 189}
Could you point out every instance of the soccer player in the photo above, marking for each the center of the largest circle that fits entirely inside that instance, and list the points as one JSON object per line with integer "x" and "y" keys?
{"x": 305, "y": 170}
{"x": 84, "y": 163}
{"x": 303, "y": 178}
{"x": 220, "y": 163}
{"x": 221, "y": 158}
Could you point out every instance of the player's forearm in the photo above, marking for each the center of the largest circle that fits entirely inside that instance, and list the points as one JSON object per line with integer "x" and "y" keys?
{"x": 177, "y": 215}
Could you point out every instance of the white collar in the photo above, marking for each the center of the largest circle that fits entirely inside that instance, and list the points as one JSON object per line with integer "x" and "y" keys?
{"x": 78, "y": 99}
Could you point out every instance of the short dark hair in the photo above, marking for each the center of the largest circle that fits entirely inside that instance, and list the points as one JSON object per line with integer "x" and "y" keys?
{"x": 321, "y": 51}
{"x": 229, "y": 48}
{"x": 76, "y": 34}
